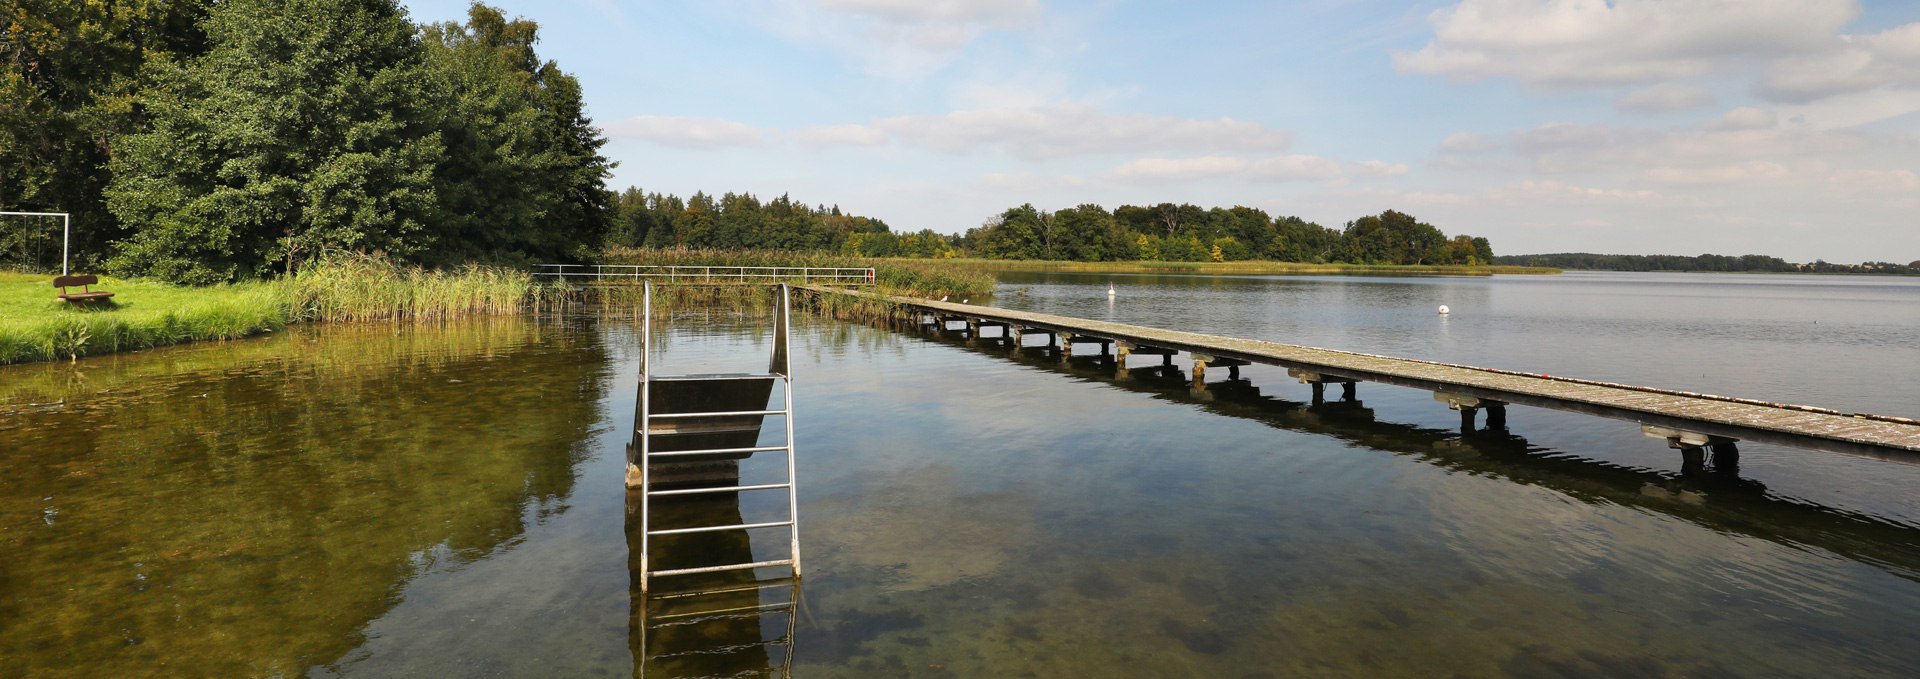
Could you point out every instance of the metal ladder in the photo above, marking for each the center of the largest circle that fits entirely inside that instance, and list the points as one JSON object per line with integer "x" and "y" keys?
{"x": 671, "y": 433}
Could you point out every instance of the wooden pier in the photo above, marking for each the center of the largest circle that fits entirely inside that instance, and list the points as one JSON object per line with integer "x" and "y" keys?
{"x": 1692, "y": 423}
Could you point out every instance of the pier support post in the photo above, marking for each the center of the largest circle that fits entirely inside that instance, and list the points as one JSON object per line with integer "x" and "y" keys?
{"x": 1319, "y": 382}
{"x": 1469, "y": 407}
{"x": 1726, "y": 457}
{"x": 1693, "y": 447}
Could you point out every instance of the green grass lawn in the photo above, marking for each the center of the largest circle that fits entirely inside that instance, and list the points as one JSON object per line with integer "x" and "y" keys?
{"x": 36, "y": 326}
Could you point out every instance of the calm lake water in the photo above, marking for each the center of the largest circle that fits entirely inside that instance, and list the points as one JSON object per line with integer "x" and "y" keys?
{"x": 373, "y": 501}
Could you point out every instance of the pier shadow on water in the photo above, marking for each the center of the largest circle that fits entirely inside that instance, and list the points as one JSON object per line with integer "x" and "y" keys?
{"x": 1701, "y": 490}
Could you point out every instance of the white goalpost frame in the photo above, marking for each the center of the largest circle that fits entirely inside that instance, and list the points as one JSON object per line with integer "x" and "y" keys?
{"x": 66, "y": 231}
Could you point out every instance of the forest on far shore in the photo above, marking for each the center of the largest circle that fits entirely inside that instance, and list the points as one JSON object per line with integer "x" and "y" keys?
{"x": 1705, "y": 263}
{"x": 1085, "y": 233}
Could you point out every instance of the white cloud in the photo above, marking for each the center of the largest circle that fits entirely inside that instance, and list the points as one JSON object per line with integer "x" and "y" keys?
{"x": 1665, "y": 97}
{"x": 1044, "y": 132}
{"x": 1570, "y": 43}
{"x": 1753, "y": 170}
{"x": 819, "y": 136}
{"x": 896, "y": 38}
{"x": 1876, "y": 180}
{"x": 1558, "y": 192}
{"x": 1001, "y": 13}
{"x": 1467, "y": 142}
{"x": 1746, "y": 118}
{"x": 697, "y": 133}
{"x": 1563, "y": 135}
{"x": 1377, "y": 168}
{"x": 1739, "y": 136}
{"x": 1854, "y": 63}
{"x": 1283, "y": 168}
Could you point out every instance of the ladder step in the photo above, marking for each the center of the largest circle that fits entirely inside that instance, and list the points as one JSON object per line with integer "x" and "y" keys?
{"x": 729, "y": 413}
{"x": 717, "y": 569}
{"x": 716, "y": 451}
{"x": 759, "y": 608}
{"x": 711, "y": 591}
{"x": 720, "y": 650}
{"x": 714, "y": 377}
{"x": 697, "y": 427}
{"x": 712, "y": 529}
{"x": 720, "y": 489}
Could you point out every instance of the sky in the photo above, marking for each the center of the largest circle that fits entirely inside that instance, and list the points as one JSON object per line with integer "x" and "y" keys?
{"x": 1779, "y": 127}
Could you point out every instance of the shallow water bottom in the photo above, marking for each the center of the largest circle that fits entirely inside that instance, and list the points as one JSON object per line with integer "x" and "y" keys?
{"x": 366, "y": 501}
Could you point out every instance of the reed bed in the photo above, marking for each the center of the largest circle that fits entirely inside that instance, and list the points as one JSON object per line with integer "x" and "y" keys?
{"x": 372, "y": 289}
{"x": 929, "y": 278}
{"x": 34, "y": 326}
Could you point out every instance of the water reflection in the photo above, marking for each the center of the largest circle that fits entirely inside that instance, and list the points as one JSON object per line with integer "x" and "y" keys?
{"x": 1711, "y": 495}
{"x": 724, "y": 624}
{"x": 244, "y": 509}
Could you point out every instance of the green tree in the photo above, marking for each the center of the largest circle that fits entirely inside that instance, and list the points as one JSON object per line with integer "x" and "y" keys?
{"x": 304, "y": 127}
{"x": 69, "y": 76}
{"x": 522, "y": 176}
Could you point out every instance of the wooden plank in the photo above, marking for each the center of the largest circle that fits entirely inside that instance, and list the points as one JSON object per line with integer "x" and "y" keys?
{"x": 1790, "y": 425}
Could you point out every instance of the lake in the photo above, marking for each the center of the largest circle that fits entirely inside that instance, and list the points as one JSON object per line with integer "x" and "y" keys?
{"x": 368, "y": 500}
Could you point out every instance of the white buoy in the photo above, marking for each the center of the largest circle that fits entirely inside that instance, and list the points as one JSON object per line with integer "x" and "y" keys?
{"x": 1444, "y": 310}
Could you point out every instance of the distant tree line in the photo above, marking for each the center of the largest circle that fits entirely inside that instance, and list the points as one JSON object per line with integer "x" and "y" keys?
{"x": 1188, "y": 233}
{"x": 1087, "y": 233}
{"x": 203, "y": 141}
{"x": 1710, "y": 263}
{"x": 740, "y": 220}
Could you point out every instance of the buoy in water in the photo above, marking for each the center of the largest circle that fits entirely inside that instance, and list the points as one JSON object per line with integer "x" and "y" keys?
{"x": 1444, "y": 310}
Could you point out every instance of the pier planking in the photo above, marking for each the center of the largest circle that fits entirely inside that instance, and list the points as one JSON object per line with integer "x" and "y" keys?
{"x": 1720, "y": 418}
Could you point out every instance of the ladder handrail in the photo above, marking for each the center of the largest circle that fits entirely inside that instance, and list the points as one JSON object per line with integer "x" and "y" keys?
{"x": 786, "y": 368}
{"x": 779, "y": 365}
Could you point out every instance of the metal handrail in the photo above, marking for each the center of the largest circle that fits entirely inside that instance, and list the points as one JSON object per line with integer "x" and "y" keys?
{"x": 706, "y": 274}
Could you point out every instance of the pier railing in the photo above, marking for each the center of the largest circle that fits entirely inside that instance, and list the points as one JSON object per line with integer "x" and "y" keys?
{"x": 634, "y": 273}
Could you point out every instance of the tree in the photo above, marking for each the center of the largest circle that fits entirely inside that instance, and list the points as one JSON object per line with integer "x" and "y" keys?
{"x": 303, "y": 128}
{"x": 1088, "y": 234}
{"x": 70, "y": 75}
{"x": 522, "y": 176}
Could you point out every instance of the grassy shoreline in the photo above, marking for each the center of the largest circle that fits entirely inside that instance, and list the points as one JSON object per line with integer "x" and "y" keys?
{"x": 35, "y": 326}
{"x": 1244, "y": 268}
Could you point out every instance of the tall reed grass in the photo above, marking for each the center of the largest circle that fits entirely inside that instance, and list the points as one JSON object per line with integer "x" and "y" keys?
{"x": 371, "y": 289}
{"x": 143, "y": 314}
{"x": 927, "y": 278}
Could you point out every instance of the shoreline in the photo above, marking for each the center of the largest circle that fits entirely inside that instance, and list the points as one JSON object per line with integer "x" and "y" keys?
{"x": 1245, "y": 267}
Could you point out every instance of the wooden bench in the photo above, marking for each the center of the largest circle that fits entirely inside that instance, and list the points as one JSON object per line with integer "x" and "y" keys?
{"x": 86, "y": 294}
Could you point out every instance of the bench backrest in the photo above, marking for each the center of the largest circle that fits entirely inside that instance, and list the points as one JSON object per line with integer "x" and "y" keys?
{"x": 83, "y": 279}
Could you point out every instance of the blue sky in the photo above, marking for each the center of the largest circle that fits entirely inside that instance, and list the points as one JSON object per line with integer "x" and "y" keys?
{"x": 1782, "y": 127}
